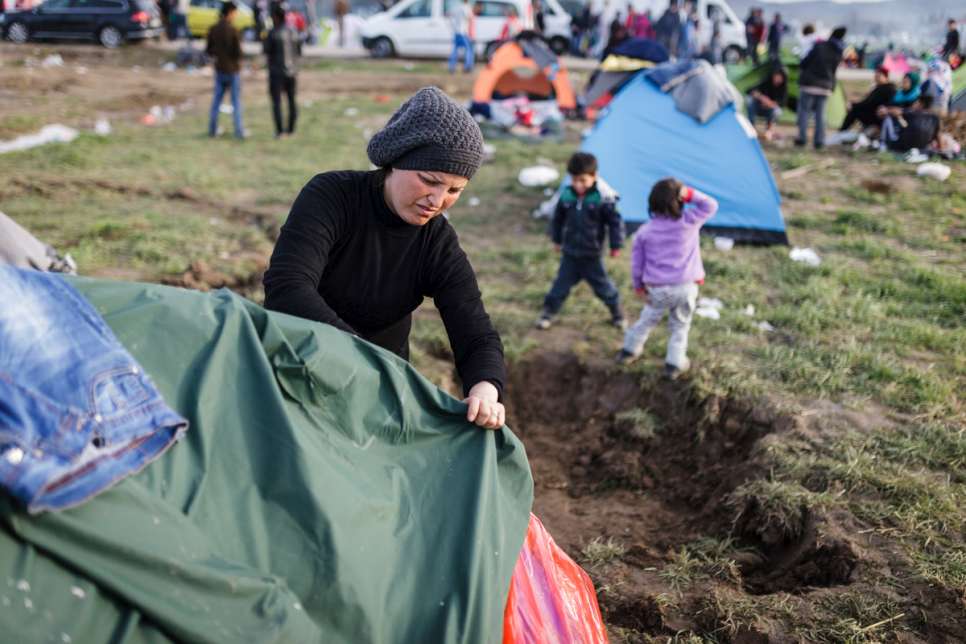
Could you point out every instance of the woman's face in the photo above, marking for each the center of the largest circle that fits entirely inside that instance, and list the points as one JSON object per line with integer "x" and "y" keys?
{"x": 419, "y": 195}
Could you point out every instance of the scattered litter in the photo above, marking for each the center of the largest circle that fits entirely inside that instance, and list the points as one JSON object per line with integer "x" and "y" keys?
{"x": 764, "y": 326}
{"x": 724, "y": 243}
{"x": 409, "y": 67}
{"x": 802, "y": 170}
{"x": 158, "y": 115}
{"x": 168, "y": 67}
{"x": 102, "y": 127}
{"x": 23, "y": 586}
{"x": 78, "y": 592}
{"x": 28, "y": 603}
{"x": 81, "y": 70}
{"x": 489, "y": 152}
{"x": 806, "y": 255}
{"x": 538, "y": 175}
{"x": 206, "y": 71}
{"x": 226, "y": 108}
{"x": 474, "y": 202}
{"x": 707, "y": 312}
{"x": 710, "y": 303}
{"x": 297, "y": 606}
{"x": 54, "y": 60}
{"x": 156, "y": 520}
{"x": 381, "y": 98}
{"x": 749, "y": 311}
{"x": 48, "y": 134}
{"x": 915, "y": 156}
{"x": 65, "y": 638}
{"x": 367, "y": 133}
{"x": 351, "y": 111}
{"x": 937, "y": 171}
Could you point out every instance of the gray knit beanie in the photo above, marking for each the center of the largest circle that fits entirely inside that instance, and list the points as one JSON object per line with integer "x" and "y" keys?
{"x": 430, "y": 131}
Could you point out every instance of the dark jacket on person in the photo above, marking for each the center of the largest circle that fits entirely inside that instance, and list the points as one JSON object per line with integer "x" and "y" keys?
{"x": 224, "y": 45}
{"x": 282, "y": 48}
{"x": 667, "y": 29}
{"x": 865, "y": 110}
{"x": 580, "y": 223}
{"x": 777, "y": 93}
{"x": 952, "y": 43}
{"x": 345, "y": 259}
{"x": 921, "y": 127}
{"x": 819, "y": 66}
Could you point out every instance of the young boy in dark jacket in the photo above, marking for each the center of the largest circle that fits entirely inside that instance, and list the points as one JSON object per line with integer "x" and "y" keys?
{"x": 585, "y": 213}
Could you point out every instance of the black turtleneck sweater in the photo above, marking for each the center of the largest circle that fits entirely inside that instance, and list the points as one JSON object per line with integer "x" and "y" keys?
{"x": 344, "y": 258}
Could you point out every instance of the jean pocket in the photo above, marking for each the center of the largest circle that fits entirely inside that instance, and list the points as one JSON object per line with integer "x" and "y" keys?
{"x": 117, "y": 390}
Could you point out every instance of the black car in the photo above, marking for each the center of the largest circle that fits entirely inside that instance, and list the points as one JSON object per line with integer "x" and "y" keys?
{"x": 110, "y": 22}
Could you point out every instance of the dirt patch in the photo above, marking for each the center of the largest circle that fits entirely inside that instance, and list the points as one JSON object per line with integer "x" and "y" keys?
{"x": 201, "y": 277}
{"x": 679, "y": 482}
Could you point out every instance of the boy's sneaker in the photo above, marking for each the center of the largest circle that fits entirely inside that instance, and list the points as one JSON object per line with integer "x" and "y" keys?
{"x": 543, "y": 323}
{"x": 673, "y": 372}
{"x": 619, "y": 322}
{"x": 625, "y": 357}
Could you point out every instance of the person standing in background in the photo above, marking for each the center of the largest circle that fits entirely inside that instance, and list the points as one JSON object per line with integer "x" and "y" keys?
{"x": 816, "y": 82}
{"x": 951, "y": 46}
{"x": 754, "y": 32}
{"x": 461, "y": 19}
{"x": 776, "y": 30}
{"x": 224, "y": 46}
{"x": 282, "y": 48}
{"x": 179, "y": 20}
{"x": 668, "y": 28}
{"x": 341, "y": 10}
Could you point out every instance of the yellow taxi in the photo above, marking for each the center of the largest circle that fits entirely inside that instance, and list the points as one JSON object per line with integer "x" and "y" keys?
{"x": 203, "y": 14}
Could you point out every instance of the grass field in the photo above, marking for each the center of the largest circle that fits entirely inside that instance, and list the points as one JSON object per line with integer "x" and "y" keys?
{"x": 868, "y": 350}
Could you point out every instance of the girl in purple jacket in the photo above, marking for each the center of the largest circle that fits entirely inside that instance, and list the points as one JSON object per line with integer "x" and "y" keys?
{"x": 666, "y": 269}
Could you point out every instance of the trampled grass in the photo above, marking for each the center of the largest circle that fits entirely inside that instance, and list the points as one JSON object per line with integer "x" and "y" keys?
{"x": 876, "y": 328}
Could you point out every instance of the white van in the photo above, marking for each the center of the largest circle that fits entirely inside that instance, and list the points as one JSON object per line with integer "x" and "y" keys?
{"x": 421, "y": 28}
{"x": 733, "y": 40}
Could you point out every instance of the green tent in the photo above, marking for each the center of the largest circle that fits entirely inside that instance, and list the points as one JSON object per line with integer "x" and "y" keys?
{"x": 745, "y": 76}
{"x": 324, "y": 492}
{"x": 958, "y": 103}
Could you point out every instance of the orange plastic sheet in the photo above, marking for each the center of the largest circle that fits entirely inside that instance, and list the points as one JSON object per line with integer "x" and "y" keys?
{"x": 551, "y": 600}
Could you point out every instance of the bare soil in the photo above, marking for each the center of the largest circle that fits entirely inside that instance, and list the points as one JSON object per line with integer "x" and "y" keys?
{"x": 596, "y": 478}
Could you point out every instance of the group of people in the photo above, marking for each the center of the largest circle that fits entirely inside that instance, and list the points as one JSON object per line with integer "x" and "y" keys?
{"x": 892, "y": 118}
{"x": 666, "y": 267}
{"x": 282, "y": 48}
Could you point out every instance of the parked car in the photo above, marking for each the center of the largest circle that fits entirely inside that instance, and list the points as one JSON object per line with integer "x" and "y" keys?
{"x": 110, "y": 22}
{"x": 203, "y": 14}
{"x": 422, "y": 28}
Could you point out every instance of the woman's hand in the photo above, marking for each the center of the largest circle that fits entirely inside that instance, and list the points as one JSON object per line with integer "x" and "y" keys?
{"x": 485, "y": 409}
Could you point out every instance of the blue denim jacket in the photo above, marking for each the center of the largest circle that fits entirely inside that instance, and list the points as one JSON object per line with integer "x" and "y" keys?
{"x": 77, "y": 413}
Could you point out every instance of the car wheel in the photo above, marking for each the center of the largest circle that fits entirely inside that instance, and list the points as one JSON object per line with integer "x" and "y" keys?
{"x": 559, "y": 45}
{"x": 111, "y": 37}
{"x": 18, "y": 32}
{"x": 382, "y": 48}
{"x": 733, "y": 54}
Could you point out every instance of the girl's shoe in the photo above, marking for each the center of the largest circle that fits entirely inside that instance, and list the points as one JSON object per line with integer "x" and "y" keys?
{"x": 673, "y": 372}
{"x": 543, "y": 323}
{"x": 625, "y": 357}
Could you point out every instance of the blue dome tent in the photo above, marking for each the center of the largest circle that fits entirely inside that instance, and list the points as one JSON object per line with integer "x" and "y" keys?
{"x": 642, "y": 137}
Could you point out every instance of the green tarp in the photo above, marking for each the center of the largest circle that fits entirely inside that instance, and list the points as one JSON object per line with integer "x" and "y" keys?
{"x": 745, "y": 76}
{"x": 324, "y": 492}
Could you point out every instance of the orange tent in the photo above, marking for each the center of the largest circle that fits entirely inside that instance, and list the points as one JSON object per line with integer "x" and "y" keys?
{"x": 510, "y": 72}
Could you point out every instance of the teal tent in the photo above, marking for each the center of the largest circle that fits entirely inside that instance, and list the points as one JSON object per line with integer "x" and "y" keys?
{"x": 324, "y": 492}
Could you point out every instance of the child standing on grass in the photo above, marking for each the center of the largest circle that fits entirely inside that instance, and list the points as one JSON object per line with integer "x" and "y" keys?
{"x": 666, "y": 269}
{"x": 586, "y": 211}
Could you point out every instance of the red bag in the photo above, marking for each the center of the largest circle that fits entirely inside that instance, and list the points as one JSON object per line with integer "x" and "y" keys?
{"x": 551, "y": 600}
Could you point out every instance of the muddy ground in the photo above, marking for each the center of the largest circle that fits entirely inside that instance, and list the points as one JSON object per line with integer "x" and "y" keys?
{"x": 652, "y": 468}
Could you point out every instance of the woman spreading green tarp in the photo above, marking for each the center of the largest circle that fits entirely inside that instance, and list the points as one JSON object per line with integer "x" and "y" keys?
{"x": 324, "y": 492}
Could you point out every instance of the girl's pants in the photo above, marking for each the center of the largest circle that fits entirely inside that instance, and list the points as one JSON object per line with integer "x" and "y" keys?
{"x": 679, "y": 301}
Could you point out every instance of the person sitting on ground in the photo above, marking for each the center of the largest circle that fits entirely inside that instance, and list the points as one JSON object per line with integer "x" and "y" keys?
{"x": 666, "y": 270}
{"x": 914, "y": 127}
{"x": 585, "y": 211}
{"x": 908, "y": 92}
{"x": 361, "y": 250}
{"x": 866, "y": 110}
{"x": 767, "y": 98}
